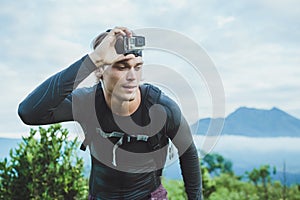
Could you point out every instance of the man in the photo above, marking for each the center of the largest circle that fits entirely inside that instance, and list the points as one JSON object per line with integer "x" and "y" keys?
{"x": 127, "y": 126}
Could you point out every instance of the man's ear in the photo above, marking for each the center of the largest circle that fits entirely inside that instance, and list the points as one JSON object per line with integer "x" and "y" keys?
{"x": 99, "y": 72}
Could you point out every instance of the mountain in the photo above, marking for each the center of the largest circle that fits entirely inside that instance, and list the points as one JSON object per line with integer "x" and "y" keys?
{"x": 254, "y": 123}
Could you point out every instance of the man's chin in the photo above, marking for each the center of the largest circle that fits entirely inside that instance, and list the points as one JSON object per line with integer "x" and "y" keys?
{"x": 131, "y": 99}
{"x": 127, "y": 98}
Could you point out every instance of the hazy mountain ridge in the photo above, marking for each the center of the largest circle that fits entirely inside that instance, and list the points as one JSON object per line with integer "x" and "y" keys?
{"x": 254, "y": 122}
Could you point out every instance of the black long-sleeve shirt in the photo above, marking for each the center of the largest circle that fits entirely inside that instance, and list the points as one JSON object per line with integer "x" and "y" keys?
{"x": 57, "y": 100}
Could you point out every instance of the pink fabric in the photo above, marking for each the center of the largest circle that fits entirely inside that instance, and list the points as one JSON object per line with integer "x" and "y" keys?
{"x": 159, "y": 194}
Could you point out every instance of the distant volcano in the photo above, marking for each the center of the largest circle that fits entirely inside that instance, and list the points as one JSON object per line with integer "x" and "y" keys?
{"x": 255, "y": 123}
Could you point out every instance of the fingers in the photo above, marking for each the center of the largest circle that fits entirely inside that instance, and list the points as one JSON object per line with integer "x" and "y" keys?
{"x": 129, "y": 56}
{"x": 122, "y": 57}
{"x": 118, "y": 30}
{"x": 105, "y": 52}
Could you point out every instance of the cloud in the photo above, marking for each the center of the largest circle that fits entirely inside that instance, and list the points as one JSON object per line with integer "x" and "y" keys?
{"x": 233, "y": 143}
{"x": 247, "y": 152}
{"x": 254, "y": 44}
{"x": 221, "y": 21}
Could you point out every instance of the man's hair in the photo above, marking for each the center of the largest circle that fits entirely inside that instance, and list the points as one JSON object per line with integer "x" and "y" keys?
{"x": 94, "y": 44}
{"x": 98, "y": 39}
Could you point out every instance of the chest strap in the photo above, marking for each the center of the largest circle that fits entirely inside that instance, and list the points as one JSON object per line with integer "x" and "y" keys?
{"x": 121, "y": 137}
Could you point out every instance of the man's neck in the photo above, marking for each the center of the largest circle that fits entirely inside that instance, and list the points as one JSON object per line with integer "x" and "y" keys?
{"x": 121, "y": 107}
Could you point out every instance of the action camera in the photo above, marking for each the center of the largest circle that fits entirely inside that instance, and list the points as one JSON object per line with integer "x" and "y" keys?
{"x": 133, "y": 43}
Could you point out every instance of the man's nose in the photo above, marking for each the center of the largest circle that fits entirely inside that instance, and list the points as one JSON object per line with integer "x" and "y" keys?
{"x": 131, "y": 74}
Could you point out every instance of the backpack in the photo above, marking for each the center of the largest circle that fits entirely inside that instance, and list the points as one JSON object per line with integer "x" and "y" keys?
{"x": 155, "y": 142}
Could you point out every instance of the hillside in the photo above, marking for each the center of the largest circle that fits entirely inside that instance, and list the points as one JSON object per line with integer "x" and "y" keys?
{"x": 255, "y": 123}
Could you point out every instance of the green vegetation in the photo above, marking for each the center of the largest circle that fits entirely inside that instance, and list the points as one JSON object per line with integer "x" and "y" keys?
{"x": 49, "y": 168}
{"x": 175, "y": 189}
{"x": 220, "y": 183}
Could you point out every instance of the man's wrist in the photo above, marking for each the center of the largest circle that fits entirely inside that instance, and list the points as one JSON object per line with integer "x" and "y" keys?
{"x": 97, "y": 60}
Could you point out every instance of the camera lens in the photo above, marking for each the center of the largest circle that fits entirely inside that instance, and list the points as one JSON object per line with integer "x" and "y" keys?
{"x": 140, "y": 41}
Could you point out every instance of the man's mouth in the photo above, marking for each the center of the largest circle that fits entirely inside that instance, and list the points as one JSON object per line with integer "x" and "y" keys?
{"x": 129, "y": 87}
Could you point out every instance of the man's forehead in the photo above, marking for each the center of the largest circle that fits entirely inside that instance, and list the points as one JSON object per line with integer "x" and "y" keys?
{"x": 131, "y": 60}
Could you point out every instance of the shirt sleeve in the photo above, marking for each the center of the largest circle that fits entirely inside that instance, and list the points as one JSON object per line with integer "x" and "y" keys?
{"x": 179, "y": 132}
{"x": 51, "y": 102}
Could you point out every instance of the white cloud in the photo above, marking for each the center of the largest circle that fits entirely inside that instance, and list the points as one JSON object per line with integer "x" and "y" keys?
{"x": 222, "y": 21}
{"x": 234, "y": 143}
{"x": 254, "y": 152}
{"x": 254, "y": 44}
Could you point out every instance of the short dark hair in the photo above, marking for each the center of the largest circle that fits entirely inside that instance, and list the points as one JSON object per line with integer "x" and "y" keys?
{"x": 98, "y": 39}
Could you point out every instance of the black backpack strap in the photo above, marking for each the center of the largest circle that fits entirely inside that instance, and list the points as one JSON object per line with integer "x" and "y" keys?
{"x": 85, "y": 142}
{"x": 160, "y": 139}
{"x": 83, "y": 145}
{"x": 153, "y": 94}
{"x": 88, "y": 136}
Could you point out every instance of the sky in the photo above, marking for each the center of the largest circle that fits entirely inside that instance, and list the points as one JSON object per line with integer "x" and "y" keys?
{"x": 253, "y": 44}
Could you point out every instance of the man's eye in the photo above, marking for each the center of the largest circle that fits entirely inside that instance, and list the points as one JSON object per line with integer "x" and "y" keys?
{"x": 137, "y": 68}
{"x": 120, "y": 67}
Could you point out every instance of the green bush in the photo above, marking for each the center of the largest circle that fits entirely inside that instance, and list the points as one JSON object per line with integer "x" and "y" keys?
{"x": 175, "y": 189}
{"x": 220, "y": 183}
{"x": 45, "y": 168}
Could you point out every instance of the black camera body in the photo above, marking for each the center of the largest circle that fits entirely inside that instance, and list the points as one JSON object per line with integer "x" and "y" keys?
{"x": 133, "y": 43}
{"x": 126, "y": 45}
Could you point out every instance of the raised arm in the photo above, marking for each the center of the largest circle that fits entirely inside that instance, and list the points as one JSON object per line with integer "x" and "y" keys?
{"x": 51, "y": 102}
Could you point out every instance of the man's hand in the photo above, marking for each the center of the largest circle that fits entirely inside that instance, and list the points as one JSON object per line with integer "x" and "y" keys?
{"x": 105, "y": 53}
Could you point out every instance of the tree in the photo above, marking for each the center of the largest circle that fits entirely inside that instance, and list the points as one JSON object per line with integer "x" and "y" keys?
{"x": 45, "y": 168}
{"x": 208, "y": 184}
{"x": 216, "y": 164}
{"x": 264, "y": 173}
{"x": 261, "y": 175}
{"x": 254, "y": 177}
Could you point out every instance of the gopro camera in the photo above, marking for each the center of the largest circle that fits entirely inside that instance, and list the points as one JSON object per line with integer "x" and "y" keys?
{"x": 133, "y": 43}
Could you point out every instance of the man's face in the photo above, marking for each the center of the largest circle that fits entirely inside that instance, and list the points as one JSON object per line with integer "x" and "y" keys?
{"x": 121, "y": 79}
